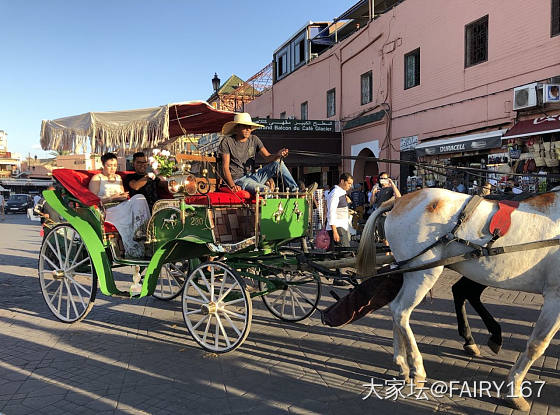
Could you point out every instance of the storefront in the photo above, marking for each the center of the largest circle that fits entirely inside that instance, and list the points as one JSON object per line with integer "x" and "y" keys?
{"x": 308, "y": 136}
{"x": 473, "y": 150}
{"x": 534, "y": 147}
{"x": 408, "y": 174}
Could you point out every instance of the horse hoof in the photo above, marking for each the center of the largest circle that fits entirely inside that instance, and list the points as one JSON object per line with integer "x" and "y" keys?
{"x": 495, "y": 347}
{"x": 471, "y": 350}
{"x": 520, "y": 404}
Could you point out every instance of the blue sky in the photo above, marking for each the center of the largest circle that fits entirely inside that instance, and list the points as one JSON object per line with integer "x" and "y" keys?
{"x": 61, "y": 58}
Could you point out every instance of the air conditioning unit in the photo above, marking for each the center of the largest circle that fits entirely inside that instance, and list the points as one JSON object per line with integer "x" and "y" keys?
{"x": 551, "y": 93}
{"x": 314, "y": 55}
{"x": 292, "y": 117}
{"x": 525, "y": 96}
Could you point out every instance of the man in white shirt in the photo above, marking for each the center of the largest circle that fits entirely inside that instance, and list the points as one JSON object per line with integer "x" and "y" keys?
{"x": 2, "y": 203}
{"x": 337, "y": 212}
{"x": 36, "y": 200}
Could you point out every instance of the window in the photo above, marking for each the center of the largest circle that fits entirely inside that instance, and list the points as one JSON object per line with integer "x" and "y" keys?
{"x": 282, "y": 65}
{"x": 476, "y": 42}
{"x": 412, "y": 69}
{"x": 331, "y": 105}
{"x": 365, "y": 88}
{"x": 555, "y": 18}
{"x": 304, "y": 110}
{"x": 299, "y": 52}
{"x": 283, "y": 115}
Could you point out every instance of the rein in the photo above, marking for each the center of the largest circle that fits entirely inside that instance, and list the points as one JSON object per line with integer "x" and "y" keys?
{"x": 427, "y": 166}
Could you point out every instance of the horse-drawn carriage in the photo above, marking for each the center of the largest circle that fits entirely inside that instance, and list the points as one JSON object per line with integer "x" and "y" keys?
{"x": 203, "y": 246}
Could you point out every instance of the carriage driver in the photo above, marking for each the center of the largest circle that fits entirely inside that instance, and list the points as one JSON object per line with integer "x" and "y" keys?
{"x": 238, "y": 150}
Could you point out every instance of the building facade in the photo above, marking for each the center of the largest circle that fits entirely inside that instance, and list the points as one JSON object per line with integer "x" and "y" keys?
{"x": 413, "y": 74}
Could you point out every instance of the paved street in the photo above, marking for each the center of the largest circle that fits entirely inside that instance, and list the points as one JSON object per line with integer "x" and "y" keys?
{"x": 137, "y": 357}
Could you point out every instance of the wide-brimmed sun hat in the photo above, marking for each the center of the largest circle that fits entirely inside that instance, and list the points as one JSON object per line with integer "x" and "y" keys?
{"x": 241, "y": 118}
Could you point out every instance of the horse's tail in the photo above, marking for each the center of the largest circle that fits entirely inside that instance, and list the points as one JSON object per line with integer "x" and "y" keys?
{"x": 365, "y": 260}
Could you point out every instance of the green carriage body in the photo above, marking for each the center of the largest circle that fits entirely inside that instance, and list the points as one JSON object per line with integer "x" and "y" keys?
{"x": 180, "y": 231}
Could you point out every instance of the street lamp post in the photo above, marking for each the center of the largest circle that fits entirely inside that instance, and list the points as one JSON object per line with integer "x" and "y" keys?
{"x": 216, "y": 86}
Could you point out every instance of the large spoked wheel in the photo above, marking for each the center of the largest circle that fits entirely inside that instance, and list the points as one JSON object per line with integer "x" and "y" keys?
{"x": 66, "y": 273}
{"x": 171, "y": 280}
{"x": 216, "y": 307}
{"x": 298, "y": 295}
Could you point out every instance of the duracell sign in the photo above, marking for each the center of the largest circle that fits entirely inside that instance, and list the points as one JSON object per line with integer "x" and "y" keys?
{"x": 468, "y": 145}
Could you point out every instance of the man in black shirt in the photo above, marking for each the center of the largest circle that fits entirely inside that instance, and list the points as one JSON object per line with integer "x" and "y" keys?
{"x": 141, "y": 182}
{"x": 239, "y": 148}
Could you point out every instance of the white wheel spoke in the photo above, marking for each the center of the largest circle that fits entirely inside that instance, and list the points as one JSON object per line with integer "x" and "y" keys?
{"x": 78, "y": 264}
{"x": 200, "y": 322}
{"x": 68, "y": 296}
{"x": 204, "y": 279}
{"x": 79, "y": 285}
{"x": 77, "y": 254}
{"x": 216, "y": 332}
{"x": 239, "y": 300}
{"x": 50, "y": 282}
{"x": 232, "y": 324}
{"x": 58, "y": 249}
{"x": 70, "y": 246}
{"x": 71, "y": 299}
{"x": 195, "y": 300}
{"x": 66, "y": 252}
{"x": 223, "y": 331}
{"x": 54, "y": 252}
{"x": 50, "y": 262}
{"x": 59, "y": 297}
{"x": 297, "y": 301}
{"x": 212, "y": 284}
{"x": 224, "y": 278}
{"x": 284, "y": 301}
{"x": 188, "y": 313}
{"x": 241, "y": 316}
{"x": 193, "y": 284}
{"x": 228, "y": 291}
{"x": 51, "y": 299}
{"x": 206, "y": 329}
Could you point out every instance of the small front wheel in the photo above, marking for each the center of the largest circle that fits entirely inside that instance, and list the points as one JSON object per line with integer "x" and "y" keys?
{"x": 171, "y": 280}
{"x": 66, "y": 273}
{"x": 217, "y": 307}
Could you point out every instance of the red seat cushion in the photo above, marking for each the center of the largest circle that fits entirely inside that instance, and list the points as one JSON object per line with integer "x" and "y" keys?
{"x": 77, "y": 181}
{"x": 223, "y": 197}
{"x": 109, "y": 228}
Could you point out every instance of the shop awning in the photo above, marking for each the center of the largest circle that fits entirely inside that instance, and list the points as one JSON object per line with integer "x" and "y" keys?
{"x": 471, "y": 142}
{"x": 540, "y": 125}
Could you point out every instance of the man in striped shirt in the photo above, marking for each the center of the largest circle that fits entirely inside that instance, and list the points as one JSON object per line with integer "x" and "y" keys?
{"x": 337, "y": 212}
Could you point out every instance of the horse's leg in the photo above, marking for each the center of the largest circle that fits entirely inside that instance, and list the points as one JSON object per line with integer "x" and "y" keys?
{"x": 460, "y": 289}
{"x": 415, "y": 286}
{"x": 399, "y": 354}
{"x": 473, "y": 292}
{"x": 545, "y": 328}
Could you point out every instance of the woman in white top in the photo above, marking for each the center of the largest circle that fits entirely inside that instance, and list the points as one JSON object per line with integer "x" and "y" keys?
{"x": 127, "y": 216}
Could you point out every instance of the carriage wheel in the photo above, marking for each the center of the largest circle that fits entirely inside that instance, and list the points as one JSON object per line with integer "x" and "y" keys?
{"x": 203, "y": 186}
{"x": 171, "y": 280}
{"x": 216, "y": 307}
{"x": 66, "y": 273}
{"x": 298, "y": 299}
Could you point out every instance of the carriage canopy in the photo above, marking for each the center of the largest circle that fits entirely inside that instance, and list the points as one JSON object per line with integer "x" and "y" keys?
{"x": 133, "y": 130}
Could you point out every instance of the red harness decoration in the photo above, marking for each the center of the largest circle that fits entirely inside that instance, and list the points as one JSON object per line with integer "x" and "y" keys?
{"x": 500, "y": 223}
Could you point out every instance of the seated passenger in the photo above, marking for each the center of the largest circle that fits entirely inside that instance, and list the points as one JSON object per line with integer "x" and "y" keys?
{"x": 239, "y": 149}
{"x": 142, "y": 183}
{"x": 127, "y": 216}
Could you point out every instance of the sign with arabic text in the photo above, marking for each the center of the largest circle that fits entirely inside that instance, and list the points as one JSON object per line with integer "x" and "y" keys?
{"x": 312, "y": 126}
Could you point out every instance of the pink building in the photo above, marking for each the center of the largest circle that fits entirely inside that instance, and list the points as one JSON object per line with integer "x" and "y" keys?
{"x": 422, "y": 71}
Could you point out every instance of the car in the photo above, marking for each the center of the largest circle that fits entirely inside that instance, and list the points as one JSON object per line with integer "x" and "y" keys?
{"x": 18, "y": 203}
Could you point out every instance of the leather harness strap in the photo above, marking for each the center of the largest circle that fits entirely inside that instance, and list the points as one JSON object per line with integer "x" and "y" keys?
{"x": 475, "y": 254}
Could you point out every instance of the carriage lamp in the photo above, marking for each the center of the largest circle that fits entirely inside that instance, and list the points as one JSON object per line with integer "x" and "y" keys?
{"x": 204, "y": 172}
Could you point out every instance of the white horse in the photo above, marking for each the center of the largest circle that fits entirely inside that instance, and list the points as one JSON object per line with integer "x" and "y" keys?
{"x": 419, "y": 218}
